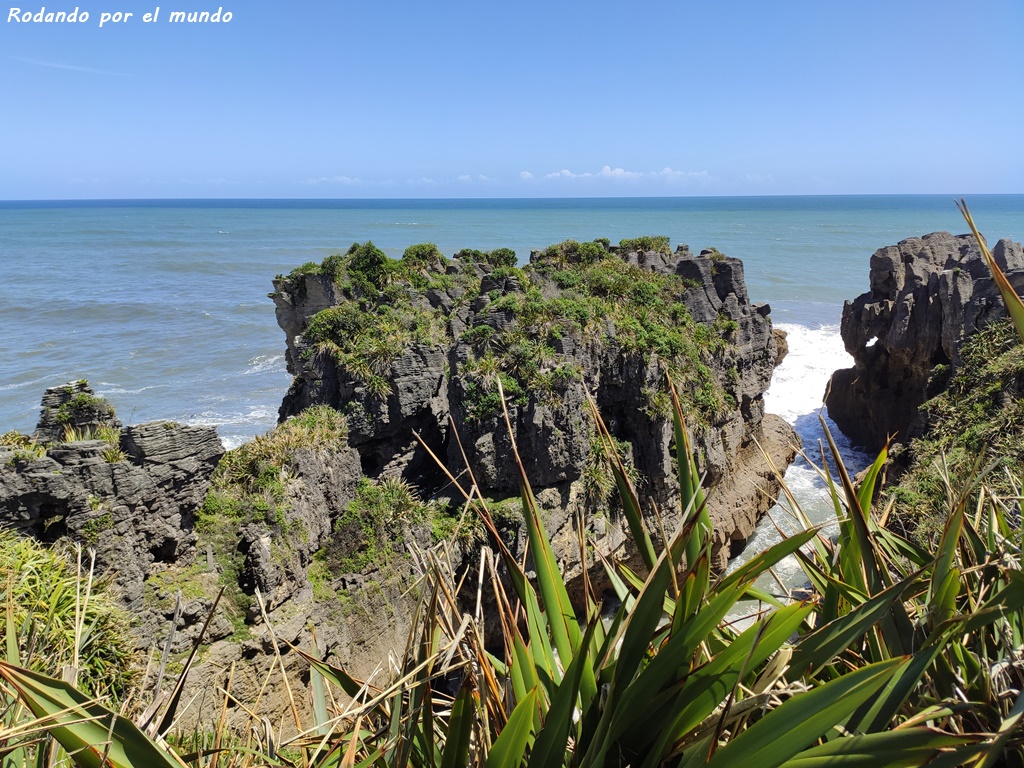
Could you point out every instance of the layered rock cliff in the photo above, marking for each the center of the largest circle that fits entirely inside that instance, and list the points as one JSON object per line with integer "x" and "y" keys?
{"x": 128, "y": 493}
{"x": 417, "y": 346}
{"x": 927, "y": 295}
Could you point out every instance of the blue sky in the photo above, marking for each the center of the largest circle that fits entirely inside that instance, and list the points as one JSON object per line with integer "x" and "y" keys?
{"x": 348, "y": 98}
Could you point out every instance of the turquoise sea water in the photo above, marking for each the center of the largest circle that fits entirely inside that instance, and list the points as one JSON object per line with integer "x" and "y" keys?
{"x": 162, "y": 305}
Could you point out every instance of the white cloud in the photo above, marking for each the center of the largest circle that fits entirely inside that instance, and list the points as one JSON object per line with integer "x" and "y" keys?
{"x": 525, "y": 175}
{"x": 333, "y": 180}
{"x": 565, "y": 173}
{"x": 69, "y": 67}
{"x": 607, "y": 172}
{"x": 618, "y": 173}
{"x": 669, "y": 173}
{"x": 464, "y": 178}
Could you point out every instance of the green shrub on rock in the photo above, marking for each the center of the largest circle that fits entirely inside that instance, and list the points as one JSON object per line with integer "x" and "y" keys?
{"x": 424, "y": 256}
{"x": 367, "y": 261}
{"x": 657, "y": 243}
{"x": 41, "y": 586}
{"x": 977, "y": 421}
{"x": 499, "y": 257}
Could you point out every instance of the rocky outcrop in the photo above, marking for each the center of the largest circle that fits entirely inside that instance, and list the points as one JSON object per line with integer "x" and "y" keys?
{"x": 72, "y": 410}
{"x": 531, "y": 330}
{"x": 277, "y": 557}
{"x": 131, "y": 497}
{"x": 927, "y": 295}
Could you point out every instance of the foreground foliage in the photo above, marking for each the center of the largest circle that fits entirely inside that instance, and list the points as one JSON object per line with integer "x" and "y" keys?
{"x": 975, "y": 427}
{"x": 903, "y": 657}
{"x": 59, "y": 616}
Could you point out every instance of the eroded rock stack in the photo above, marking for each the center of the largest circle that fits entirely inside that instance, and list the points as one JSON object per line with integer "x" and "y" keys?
{"x": 927, "y": 294}
{"x": 129, "y": 493}
{"x": 536, "y": 331}
{"x": 405, "y": 351}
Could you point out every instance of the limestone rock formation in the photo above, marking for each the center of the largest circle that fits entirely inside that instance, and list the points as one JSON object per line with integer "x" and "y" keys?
{"x": 406, "y": 351}
{"x": 73, "y": 410}
{"x": 927, "y": 294}
{"x": 420, "y": 349}
{"x": 132, "y": 502}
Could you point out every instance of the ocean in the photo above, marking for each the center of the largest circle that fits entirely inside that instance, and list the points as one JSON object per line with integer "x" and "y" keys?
{"x": 162, "y": 305}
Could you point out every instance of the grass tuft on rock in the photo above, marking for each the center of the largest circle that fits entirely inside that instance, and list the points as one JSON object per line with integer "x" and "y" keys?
{"x": 41, "y": 586}
{"x": 976, "y": 424}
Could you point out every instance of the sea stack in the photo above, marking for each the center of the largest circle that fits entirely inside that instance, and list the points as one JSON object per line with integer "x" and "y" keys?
{"x": 927, "y": 295}
{"x": 407, "y": 348}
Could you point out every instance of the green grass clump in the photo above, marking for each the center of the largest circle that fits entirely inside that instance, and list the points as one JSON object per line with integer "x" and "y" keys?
{"x": 365, "y": 339}
{"x": 380, "y": 316}
{"x": 656, "y": 243}
{"x": 424, "y": 256}
{"x": 260, "y": 464}
{"x": 602, "y": 299}
{"x": 23, "y": 447}
{"x": 573, "y": 252}
{"x": 83, "y": 406}
{"x": 254, "y": 476}
{"x": 41, "y": 585}
{"x": 976, "y": 423}
{"x": 371, "y": 531}
{"x": 112, "y": 454}
{"x": 499, "y": 257}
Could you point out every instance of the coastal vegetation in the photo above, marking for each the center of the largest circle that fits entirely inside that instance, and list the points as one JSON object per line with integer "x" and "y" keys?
{"x": 905, "y": 657}
{"x": 975, "y": 429}
{"x": 27, "y": 448}
{"x": 375, "y": 523}
{"x": 83, "y": 405}
{"x": 23, "y": 447}
{"x": 250, "y": 485}
{"x": 62, "y": 618}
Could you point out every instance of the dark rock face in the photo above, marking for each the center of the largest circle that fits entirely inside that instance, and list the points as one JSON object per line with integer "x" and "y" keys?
{"x": 927, "y": 294}
{"x": 135, "y": 509}
{"x": 323, "y": 484}
{"x": 73, "y": 409}
{"x": 430, "y": 385}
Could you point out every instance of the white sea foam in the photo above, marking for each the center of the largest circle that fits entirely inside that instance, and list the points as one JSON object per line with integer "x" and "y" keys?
{"x": 235, "y": 427}
{"x": 796, "y": 394}
{"x": 265, "y": 364}
{"x": 798, "y": 385}
{"x": 230, "y": 442}
{"x": 20, "y": 385}
{"x": 106, "y": 388}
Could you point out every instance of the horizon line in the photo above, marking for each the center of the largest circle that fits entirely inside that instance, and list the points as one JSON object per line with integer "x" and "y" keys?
{"x": 494, "y": 199}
